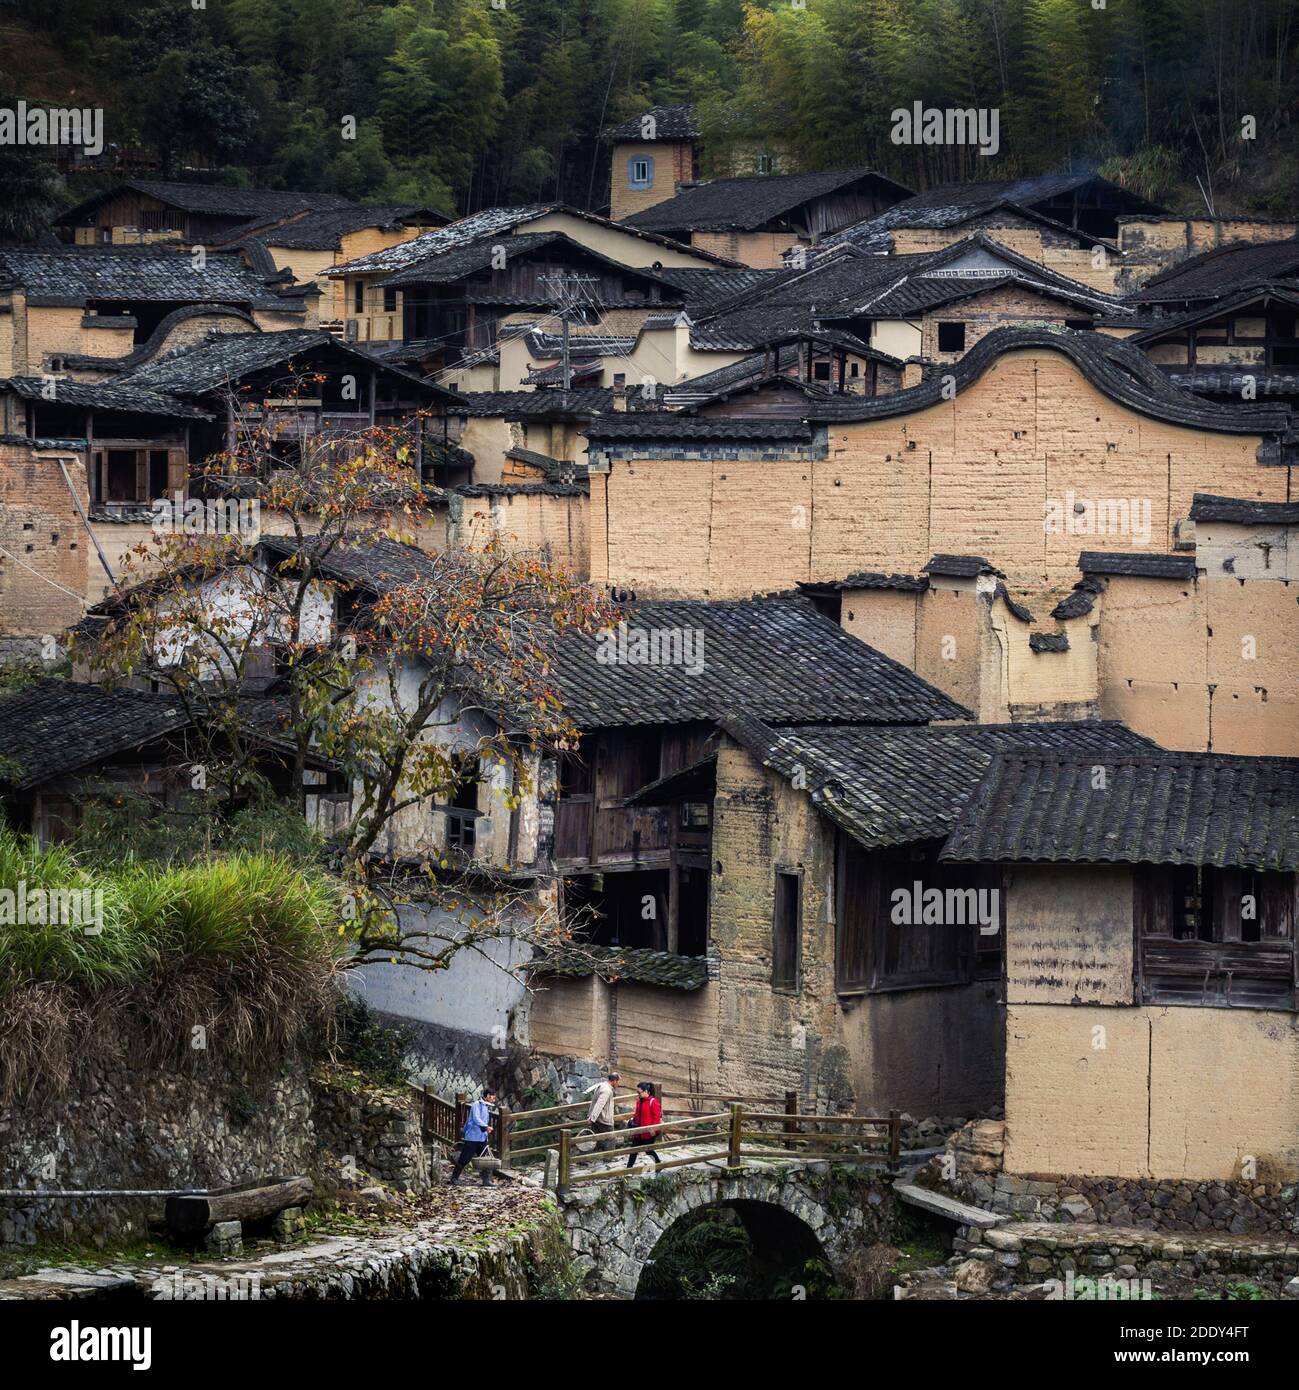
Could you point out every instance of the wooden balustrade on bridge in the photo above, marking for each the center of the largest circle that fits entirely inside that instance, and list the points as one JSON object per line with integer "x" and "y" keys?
{"x": 735, "y": 1130}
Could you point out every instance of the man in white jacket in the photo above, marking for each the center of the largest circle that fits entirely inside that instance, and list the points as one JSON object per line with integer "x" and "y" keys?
{"x": 600, "y": 1116}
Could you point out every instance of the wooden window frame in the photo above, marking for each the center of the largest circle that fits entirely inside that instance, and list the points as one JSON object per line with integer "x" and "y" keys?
{"x": 795, "y": 984}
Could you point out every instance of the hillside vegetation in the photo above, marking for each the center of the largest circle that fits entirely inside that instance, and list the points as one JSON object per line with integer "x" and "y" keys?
{"x": 461, "y": 104}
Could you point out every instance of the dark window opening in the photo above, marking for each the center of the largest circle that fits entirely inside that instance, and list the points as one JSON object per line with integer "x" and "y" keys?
{"x": 158, "y": 472}
{"x": 574, "y": 774}
{"x": 1220, "y": 937}
{"x": 123, "y": 485}
{"x": 692, "y": 911}
{"x": 785, "y": 930}
{"x": 358, "y": 297}
{"x": 951, "y": 337}
{"x": 389, "y": 300}
{"x": 821, "y": 371}
{"x": 167, "y": 220}
{"x": 891, "y": 935}
{"x": 462, "y": 812}
{"x": 1080, "y": 325}
{"x": 624, "y": 909}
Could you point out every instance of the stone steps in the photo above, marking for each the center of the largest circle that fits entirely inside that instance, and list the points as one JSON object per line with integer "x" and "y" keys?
{"x": 947, "y": 1207}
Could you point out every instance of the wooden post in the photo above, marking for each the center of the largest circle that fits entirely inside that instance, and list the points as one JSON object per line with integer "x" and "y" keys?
{"x": 791, "y": 1108}
{"x": 503, "y": 1136}
{"x": 564, "y": 1160}
{"x": 733, "y": 1147}
{"x": 462, "y": 1114}
{"x": 895, "y": 1137}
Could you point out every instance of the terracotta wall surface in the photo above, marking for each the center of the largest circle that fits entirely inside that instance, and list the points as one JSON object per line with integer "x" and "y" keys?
{"x": 1175, "y": 1093}
{"x": 968, "y": 476}
{"x": 673, "y": 164}
{"x": 43, "y": 545}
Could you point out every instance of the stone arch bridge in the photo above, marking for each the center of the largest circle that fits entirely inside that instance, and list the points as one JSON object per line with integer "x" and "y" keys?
{"x": 813, "y": 1210}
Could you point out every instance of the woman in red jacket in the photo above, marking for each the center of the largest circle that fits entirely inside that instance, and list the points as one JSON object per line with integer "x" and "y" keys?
{"x": 649, "y": 1112}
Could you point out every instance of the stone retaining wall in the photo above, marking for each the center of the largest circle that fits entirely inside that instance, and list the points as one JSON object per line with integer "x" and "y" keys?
{"x": 192, "y": 1130}
{"x": 1232, "y": 1208}
{"x": 1032, "y": 1254}
{"x": 377, "y": 1128}
{"x": 124, "y": 1129}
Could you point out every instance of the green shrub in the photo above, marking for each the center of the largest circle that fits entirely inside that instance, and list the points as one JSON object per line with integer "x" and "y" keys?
{"x": 244, "y": 947}
{"x": 362, "y": 1040}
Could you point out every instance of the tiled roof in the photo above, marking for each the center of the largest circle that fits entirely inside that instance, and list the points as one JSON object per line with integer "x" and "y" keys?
{"x": 545, "y": 401}
{"x": 53, "y": 727}
{"x": 1157, "y": 323}
{"x": 1165, "y": 808}
{"x": 650, "y": 425}
{"x": 849, "y": 285}
{"x": 1048, "y": 642}
{"x": 1138, "y": 563}
{"x": 538, "y": 488}
{"x": 889, "y": 786}
{"x": 582, "y": 372}
{"x": 953, "y": 204}
{"x": 926, "y": 282}
{"x": 757, "y": 368}
{"x": 960, "y": 566}
{"x": 491, "y": 222}
{"x": 77, "y": 273}
{"x": 745, "y": 204}
{"x": 704, "y": 288}
{"x": 325, "y": 230}
{"x": 775, "y": 659}
{"x": 624, "y": 963}
{"x": 1226, "y": 270}
{"x": 1228, "y": 381}
{"x": 228, "y": 357}
{"x": 1121, "y": 372}
{"x": 105, "y": 395}
{"x": 1244, "y": 511}
{"x": 670, "y": 123}
{"x": 870, "y": 579}
{"x": 212, "y": 198}
{"x": 1080, "y": 602}
{"x": 542, "y": 344}
{"x": 557, "y": 470}
{"x": 374, "y": 566}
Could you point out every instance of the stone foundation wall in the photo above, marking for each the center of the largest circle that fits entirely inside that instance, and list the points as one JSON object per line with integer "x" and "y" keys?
{"x": 1233, "y": 1208}
{"x": 378, "y": 1128}
{"x": 1036, "y": 1255}
{"x": 975, "y": 1153}
{"x": 124, "y": 1130}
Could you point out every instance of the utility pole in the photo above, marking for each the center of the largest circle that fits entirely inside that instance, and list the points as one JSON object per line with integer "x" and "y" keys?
{"x": 568, "y": 291}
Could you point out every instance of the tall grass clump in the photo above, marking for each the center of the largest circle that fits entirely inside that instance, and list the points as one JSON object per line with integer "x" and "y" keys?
{"x": 244, "y": 947}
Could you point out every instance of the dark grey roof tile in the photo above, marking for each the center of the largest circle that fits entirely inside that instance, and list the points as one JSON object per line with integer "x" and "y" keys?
{"x": 1164, "y": 808}
{"x": 776, "y": 659}
{"x": 890, "y": 786}
{"x": 1137, "y": 563}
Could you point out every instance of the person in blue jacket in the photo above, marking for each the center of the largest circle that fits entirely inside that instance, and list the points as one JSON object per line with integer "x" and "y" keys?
{"x": 477, "y": 1133}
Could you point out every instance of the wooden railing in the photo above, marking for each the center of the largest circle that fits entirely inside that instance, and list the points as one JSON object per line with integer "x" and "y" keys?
{"x": 741, "y": 1127}
{"x": 738, "y": 1134}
